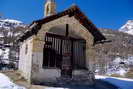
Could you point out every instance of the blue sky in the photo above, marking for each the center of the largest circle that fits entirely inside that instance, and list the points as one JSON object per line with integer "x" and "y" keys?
{"x": 103, "y": 13}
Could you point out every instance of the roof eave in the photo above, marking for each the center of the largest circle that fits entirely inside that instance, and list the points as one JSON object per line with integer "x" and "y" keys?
{"x": 73, "y": 11}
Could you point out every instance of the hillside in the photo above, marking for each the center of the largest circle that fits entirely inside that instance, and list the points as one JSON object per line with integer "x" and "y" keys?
{"x": 9, "y": 30}
{"x": 115, "y": 56}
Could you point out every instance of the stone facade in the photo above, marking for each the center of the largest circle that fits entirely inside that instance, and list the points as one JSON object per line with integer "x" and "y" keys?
{"x": 25, "y": 58}
{"x": 31, "y": 63}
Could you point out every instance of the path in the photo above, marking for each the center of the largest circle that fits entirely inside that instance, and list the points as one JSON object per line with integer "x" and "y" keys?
{"x": 15, "y": 76}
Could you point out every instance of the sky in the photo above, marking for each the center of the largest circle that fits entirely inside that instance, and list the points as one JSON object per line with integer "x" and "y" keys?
{"x": 110, "y": 14}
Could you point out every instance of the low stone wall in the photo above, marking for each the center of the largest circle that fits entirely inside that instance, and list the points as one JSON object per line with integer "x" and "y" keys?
{"x": 53, "y": 76}
{"x": 46, "y": 76}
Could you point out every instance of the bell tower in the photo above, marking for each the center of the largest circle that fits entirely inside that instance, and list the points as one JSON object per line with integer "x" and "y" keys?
{"x": 50, "y": 8}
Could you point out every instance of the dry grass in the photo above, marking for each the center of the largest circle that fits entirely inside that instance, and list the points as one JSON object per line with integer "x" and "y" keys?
{"x": 116, "y": 75}
{"x": 129, "y": 74}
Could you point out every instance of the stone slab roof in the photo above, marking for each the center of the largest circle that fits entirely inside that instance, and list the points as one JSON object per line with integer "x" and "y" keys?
{"x": 72, "y": 11}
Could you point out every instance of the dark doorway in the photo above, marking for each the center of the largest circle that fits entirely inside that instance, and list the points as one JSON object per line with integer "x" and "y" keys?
{"x": 59, "y": 52}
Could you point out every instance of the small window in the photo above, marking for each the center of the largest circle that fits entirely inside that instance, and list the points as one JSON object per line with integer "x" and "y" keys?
{"x": 26, "y": 49}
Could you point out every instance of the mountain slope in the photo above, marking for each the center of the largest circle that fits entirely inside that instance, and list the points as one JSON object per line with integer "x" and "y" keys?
{"x": 9, "y": 30}
{"x": 10, "y": 27}
{"x": 115, "y": 56}
{"x": 128, "y": 27}
{"x": 10, "y": 23}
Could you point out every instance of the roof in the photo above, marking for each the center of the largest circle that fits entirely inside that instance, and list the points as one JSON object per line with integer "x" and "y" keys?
{"x": 72, "y": 11}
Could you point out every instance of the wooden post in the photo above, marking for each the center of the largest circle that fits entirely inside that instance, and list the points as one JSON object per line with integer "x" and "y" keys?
{"x": 67, "y": 30}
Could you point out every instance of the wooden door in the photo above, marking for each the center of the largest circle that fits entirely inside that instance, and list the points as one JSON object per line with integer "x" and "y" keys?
{"x": 67, "y": 54}
{"x": 63, "y": 52}
{"x": 58, "y": 53}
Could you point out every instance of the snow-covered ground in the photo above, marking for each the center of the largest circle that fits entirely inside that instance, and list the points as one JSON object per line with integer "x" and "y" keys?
{"x": 6, "y": 83}
{"x": 120, "y": 66}
{"x": 122, "y": 83}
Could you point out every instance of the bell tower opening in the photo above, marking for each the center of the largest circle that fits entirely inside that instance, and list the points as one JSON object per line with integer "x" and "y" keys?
{"x": 50, "y": 8}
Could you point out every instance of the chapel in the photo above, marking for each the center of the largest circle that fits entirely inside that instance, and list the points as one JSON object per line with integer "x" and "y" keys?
{"x": 60, "y": 45}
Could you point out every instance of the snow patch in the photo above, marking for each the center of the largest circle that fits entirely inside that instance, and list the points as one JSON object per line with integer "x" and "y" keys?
{"x": 10, "y": 23}
{"x": 121, "y": 72}
{"x": 6, "y": 83}
{"x": 120, "y": 66}
{"x": 100, "y": 77}
{"x": 128, "y": 27}
{"x": 122, "y": 83}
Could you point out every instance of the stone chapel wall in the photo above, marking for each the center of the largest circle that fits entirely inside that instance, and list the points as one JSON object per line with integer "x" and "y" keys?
{"x": 38, "y": 43}
{"x": 25, "y": 61}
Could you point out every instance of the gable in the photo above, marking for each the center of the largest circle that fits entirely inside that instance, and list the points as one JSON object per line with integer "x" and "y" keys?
{"x": 75, "y": 12}
{"x": 59, "y": 26}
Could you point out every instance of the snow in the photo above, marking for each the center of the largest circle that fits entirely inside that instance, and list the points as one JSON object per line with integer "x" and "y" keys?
{"x": 120, "y": 66}
{"x": 1, "y": 35}
{"x": 6, "y": 53}
{"x": 128, "y": 27}
{"x": 1, "y": 51}
{"x": 11, "y": 20}
{"x": 122, "y": 83}
{"x": 10, "y": 23}
{"x": 6, "y": 83}
{"x": 121, "y": 72}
